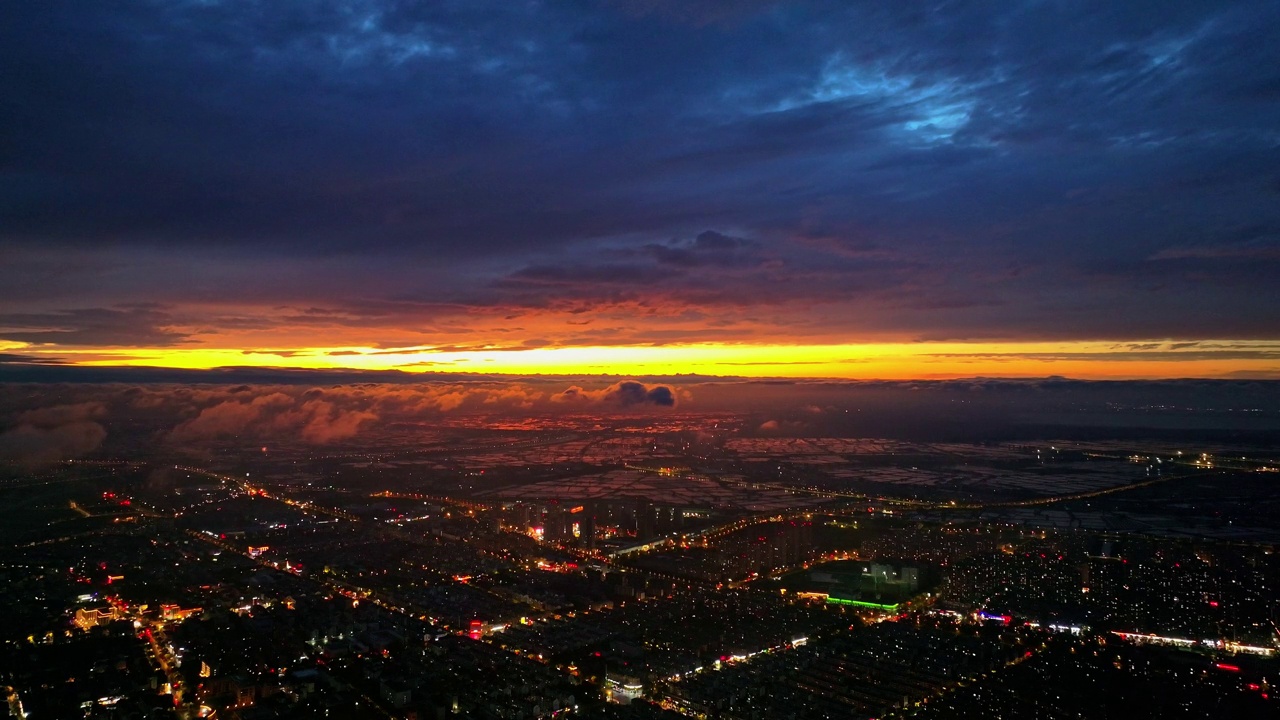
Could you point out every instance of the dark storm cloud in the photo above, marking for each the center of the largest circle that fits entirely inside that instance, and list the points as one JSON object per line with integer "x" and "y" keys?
{"x": 634, "y": 393}
{"x": 708, "y": 272}
{"x": 624, "y": 394}
{"x": 959, "y": 170}
{"x": 118, "y": 326}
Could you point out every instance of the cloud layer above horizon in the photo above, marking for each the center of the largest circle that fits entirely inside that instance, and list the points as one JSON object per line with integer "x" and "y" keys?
{"x": 66, "y": 421}
{"x": 459, "y": 177}
{"x": 41, "y": 424}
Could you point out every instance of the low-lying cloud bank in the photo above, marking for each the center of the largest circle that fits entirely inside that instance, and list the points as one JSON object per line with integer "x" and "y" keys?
{"x": 46, "y": 423}
{"x": 41, "y": 423}
{"x": 48, "y": 434}
{"x": 320, "y": 415}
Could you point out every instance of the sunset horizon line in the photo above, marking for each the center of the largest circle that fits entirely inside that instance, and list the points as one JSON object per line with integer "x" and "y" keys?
{"x": 1144, "y": 359}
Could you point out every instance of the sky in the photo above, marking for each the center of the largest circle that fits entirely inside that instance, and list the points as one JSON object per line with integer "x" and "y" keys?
{"x": 644, "y": 187}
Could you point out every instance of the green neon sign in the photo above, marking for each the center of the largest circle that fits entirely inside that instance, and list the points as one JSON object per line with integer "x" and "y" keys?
{"x": 863, "y": 603}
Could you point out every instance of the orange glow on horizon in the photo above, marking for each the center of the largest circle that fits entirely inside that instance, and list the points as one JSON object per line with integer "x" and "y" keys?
{"x": 889, "y": 361}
